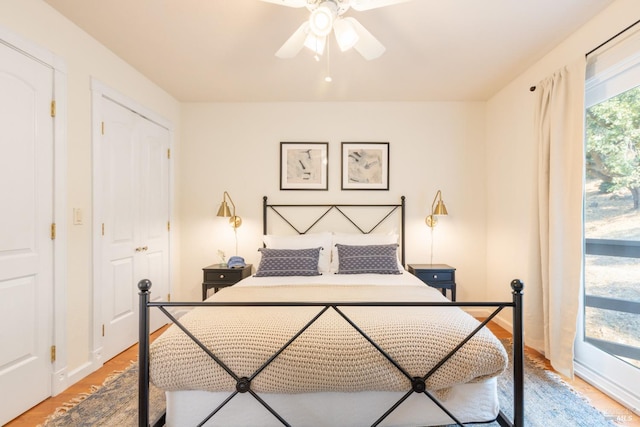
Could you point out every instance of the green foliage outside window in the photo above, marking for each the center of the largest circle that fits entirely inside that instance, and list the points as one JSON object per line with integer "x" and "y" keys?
{"x": 613, "y": 149}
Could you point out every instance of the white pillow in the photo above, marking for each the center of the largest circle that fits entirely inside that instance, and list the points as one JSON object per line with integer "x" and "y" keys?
{"x": 359, "y": 239}
{"x": 304, "y": 241}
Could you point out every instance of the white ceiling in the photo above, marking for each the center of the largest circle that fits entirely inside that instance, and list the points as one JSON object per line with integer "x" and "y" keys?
{"x": 223, "y": 50}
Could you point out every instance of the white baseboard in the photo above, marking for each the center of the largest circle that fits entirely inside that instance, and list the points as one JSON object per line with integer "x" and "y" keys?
{"x": 62, "y": 379}
{"x": 59, "y": 381}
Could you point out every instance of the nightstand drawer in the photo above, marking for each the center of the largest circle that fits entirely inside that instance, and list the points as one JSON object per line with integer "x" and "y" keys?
{"x": 435, "y": 276}
{"x": 226, "y": 276}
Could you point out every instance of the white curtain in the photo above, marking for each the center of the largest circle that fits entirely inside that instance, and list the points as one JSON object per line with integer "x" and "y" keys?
{"x": 559, "y": 122}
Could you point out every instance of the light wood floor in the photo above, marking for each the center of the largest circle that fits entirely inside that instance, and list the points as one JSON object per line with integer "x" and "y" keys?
{"x": 39, "y": 413}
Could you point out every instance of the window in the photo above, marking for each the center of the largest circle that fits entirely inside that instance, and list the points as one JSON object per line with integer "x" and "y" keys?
{"x": 612, "y": 225}
{"x": 608, "y": 342}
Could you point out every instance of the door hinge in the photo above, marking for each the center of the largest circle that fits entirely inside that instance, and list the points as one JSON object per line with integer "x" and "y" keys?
{"x": 103, "y": 228}
{"x": 53, "y": 108}
{"x": 53, "y": 353}
{"x": 103, "y": 329}
{"x": 53, "y": 231}
{"x": 168, "y": 297}
{"x": 168, "y": 153}
{"x": 168, "y": 225}
{"x": 102, "y": 128}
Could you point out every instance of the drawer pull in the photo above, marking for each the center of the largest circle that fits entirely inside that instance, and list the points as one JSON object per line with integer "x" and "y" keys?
{"x": 222, "y": 276}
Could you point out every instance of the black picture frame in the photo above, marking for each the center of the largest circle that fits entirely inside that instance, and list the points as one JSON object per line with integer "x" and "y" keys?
{"x": 304, "y": 166}
{"x": 365, "y": 166}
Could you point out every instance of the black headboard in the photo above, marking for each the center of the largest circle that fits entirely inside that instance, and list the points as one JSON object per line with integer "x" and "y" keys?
{"x": 388, "y": 211}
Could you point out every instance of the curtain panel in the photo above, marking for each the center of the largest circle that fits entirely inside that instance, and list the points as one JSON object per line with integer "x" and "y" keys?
{"x": 559, "y": 124}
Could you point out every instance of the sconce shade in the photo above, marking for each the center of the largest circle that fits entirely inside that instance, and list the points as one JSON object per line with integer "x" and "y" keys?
{"x": 437, "y": 208}
{"x": 224, "y": 209}
{"x": 440, "y": 209}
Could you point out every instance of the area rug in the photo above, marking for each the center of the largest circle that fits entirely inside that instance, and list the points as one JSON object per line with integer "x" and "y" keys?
{"x": 548, "y": 402}
{"x": 115, "y": 404}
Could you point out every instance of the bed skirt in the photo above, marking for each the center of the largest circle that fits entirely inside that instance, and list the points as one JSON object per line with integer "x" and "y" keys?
{"x": 476, "y": 402}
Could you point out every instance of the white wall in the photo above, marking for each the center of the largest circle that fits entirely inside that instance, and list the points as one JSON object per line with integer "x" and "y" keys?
{"x": 84, "y": 58}
{"x": 512, "y": 239}
{"x": 236, "y": 147}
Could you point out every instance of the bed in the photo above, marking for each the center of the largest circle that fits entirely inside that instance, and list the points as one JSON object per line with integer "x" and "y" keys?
{"x": 331, "y": 330}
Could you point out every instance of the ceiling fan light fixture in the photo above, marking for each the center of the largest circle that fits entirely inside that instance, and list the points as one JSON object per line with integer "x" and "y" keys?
{"x": 327, "y": 15}
{"x": 315, "y": 43}
{"x": 322, "y": 17}
{"x": 345, "y": 33}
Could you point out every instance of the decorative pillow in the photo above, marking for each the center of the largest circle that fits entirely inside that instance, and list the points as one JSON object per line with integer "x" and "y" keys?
{"x": 288, "y": 262}
{"x": 360, "y": 239}
{"x": 304, "y": 241}
{"x": 376, "y": 259}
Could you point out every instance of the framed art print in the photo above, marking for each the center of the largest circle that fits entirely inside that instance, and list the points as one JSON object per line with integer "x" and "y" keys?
{"x": 304, "y": 165}
{"x": 365, "y": 165}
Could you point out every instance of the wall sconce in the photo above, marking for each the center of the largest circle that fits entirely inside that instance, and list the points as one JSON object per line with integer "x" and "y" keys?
{"x": 234, "y": 220}
{"x": 224, "y": 210}
{"x": 437, "y": 208}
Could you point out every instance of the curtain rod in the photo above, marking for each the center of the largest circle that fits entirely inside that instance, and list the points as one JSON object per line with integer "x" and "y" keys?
{"x": 612, "y": 38}
{"x": 533, "y": 88}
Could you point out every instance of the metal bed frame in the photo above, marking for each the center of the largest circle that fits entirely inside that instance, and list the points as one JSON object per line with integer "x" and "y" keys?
{"x": 417, "y": 384}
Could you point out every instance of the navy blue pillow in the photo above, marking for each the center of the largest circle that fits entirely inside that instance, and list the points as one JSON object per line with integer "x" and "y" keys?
{"x": 364, "y": 259}
{"x": 288, "y": 262}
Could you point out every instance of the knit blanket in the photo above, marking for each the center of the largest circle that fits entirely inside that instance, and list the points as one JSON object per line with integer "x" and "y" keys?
{"x": 330, "y": 355}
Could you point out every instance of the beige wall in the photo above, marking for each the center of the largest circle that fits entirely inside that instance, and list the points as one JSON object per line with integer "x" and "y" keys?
{"x": 512, "y": 239}
{"x": 235, "y": 147}
{"x": 84, "y": 58}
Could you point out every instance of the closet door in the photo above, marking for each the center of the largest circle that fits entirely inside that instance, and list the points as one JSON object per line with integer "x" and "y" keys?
{"x": 153, "y": 224}
{"x": 135, "y": 212}
{"x": 26, "y": 246}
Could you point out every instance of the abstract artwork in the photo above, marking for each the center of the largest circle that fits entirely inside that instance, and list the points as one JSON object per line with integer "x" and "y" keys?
{"x": 304, "y": 165}
{"x": 365, "y": 166}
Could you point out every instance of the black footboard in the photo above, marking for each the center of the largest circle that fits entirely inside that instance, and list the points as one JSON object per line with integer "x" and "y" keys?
{"x": 243, "y": 384}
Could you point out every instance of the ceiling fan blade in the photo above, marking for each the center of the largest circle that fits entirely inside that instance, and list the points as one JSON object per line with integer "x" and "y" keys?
{"x": 295, "y": 43}
{"x": 371, "y": 4}
{"x": 288, "y": 3}
{"x": 367, "y": 45}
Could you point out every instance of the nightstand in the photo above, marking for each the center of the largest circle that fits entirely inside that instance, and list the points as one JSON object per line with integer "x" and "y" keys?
{"x": 218, "y": 276}
{"x": 441, "y": 276}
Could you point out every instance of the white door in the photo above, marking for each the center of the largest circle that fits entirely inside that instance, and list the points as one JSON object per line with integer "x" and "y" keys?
{"x": 135, "y": 211}
{"x": 153, "y": 198}
{"x": 26, "y": 248}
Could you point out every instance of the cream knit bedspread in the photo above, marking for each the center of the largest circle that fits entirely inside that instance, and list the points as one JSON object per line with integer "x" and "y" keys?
{"x": 330, "y": 355}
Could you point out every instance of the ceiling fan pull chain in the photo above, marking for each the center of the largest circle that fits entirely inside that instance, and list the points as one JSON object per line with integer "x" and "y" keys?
{"x": 328, "y": 78}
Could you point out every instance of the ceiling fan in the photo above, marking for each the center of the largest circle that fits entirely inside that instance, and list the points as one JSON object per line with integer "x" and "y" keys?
{"x": 326, "y": 15}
